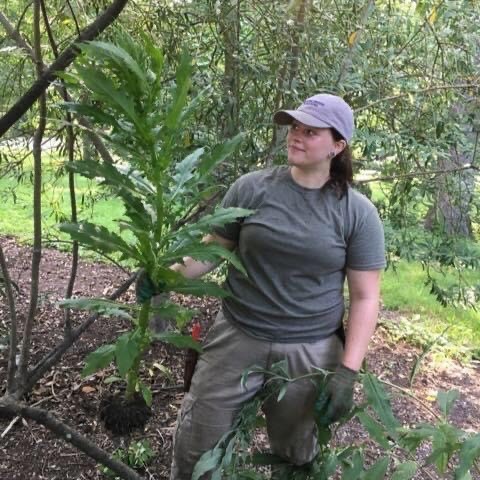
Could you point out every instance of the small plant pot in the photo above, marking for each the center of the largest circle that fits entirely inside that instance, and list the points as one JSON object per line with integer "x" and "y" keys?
{"x": 122, "y": 416}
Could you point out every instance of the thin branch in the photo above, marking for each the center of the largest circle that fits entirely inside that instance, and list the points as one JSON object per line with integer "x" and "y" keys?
{"x": 12, "y": 366}
{"x": 71, "y": 436}
{"x": 73, "y": 16}
{"x": 71, "y": 178}
{"x": 419, "y": 174}
{"x": 37, "y": 203}
{"x": 54, "y": 356}
{"x": 21, "y": 43}
{"x": 60, "y": 64}
{"x": 405, "y": 94}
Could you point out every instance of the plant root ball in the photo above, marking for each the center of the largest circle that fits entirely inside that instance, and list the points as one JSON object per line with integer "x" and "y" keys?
{"x": 122, "y": 416}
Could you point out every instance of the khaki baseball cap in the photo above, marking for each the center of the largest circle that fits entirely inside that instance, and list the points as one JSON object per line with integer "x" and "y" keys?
{"x": 322, "y": 111}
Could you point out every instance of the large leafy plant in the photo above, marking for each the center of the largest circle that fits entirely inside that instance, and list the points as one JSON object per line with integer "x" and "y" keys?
{"x": 452, "y": 450}
{"x": 161, "y": 181}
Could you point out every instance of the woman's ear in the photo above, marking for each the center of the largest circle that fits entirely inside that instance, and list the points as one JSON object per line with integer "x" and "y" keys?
{"x": 340, "y": 146}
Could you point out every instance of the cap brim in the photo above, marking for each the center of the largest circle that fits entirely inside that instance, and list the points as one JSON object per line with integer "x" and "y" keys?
{"x": 286, "y": 117}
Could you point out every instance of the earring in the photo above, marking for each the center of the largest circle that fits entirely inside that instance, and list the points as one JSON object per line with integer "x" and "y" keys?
{"x": 331, "y": 154}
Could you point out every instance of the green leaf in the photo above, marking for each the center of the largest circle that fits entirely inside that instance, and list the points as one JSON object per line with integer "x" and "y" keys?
{"x": 208, "y": 461}
{"x": 200, "y": 288}
{"x": 375, "y": 430}
{"x": 98, "y": 359}
{"x": 99, "y": 238}
{"x": 446, "y": 400}
{"x": 103, "y": 87}
{"x": 127, "y": 350}
{"x": 219, "y": 154}
{"x": 353, "y": 468}
{"x": 116, "y": 54}
{"x": 469, "y": 452}
{"x": 146, "y": 394}
{"x": 405, "y": 471}
{"x": 91, "y": 111}
{"x": 179, "y": 340}
{"x": 183, "y": 80}
{"x": 184, "y": 171}
{"x": 378, "y": 470}
{"x": 100, "y": 305}
{"x": 379, "y": 401}
{"x": 210, "y": 252}
{"x": 112, "y": 379}
{"x": 282, "y": 392}
{"x": 412, "y": 438}
{"x": 220, "y": 217}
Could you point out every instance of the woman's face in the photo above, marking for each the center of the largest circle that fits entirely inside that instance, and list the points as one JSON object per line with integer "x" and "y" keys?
{"x": 310, "y": 147}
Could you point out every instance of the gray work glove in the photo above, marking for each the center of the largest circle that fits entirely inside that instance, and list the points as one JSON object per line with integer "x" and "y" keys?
{"x": 335, "y": 399}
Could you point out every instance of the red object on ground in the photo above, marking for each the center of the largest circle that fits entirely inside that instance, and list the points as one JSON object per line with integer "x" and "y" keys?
{"x": 191, "y": 358}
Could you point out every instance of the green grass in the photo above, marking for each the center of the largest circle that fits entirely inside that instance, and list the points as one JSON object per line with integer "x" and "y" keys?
{"x": 16, "y": 203}
{"x": 421, "y": 318}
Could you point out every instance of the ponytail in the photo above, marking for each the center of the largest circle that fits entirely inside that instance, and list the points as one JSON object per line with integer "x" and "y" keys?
{"x": 341, "y": 169}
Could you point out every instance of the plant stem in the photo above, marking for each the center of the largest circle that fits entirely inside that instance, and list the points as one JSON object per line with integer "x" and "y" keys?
{"x": 12, "y": 366}
{"x": 132, "y": 375}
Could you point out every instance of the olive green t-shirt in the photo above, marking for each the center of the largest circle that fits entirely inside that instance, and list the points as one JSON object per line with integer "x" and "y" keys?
{"x": 296, "y": 248}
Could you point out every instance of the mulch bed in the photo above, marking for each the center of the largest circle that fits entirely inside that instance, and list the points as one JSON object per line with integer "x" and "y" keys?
{"x": 29, "y": 451}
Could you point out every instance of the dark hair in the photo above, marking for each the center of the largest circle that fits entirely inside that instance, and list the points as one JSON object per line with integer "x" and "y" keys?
{"x": 341, "y": 169}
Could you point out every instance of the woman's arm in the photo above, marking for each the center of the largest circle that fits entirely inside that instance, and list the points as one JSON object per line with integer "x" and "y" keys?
{"x": 364, "y": 291}
{"x": 191, "y": 268}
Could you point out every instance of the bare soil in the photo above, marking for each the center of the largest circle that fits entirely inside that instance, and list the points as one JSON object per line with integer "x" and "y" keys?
{"x": 30, "y": 452}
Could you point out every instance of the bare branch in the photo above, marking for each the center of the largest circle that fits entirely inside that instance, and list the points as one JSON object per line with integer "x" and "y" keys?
{"x": 12, "y": 366}
{"x": 56, "y": 354}
{"x": 37, "y": 202}
{"x": 423, "y": 90}
{"x": 60, "y": 64}
{"x": 418, "y": 174}
{"x": 71, "y": 436}
{"x": 21, "y": 43}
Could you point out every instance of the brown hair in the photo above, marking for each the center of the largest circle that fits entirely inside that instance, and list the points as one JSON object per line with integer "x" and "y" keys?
{"x": 341, "y": 169}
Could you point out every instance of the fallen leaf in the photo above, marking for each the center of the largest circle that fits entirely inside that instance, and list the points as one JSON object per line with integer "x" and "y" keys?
{"x": 88, "y": 389}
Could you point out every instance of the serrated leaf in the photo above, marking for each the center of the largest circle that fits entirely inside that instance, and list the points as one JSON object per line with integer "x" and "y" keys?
{"x": 379, "y": 401}
{"x": 99, "y": 239}
{"x": 184, "y": 171}
{"x": 220, "y": 217}
{"x": 378, "y": 470}
{"x": 446, "y": 400}
{"x": 100, "y": 305}
{"x": 102, "y": 86}
{"x": 405, "y": 471}
{"x": 183, "y": 80}
{"x": 179, "y": 340}
{"x": 353, "y": 468}
{"x": 469, "y": 452}
{"x": 219, "y": 154}
{"x": 116, "y": 54}
{"x": 98, "y": 359}
{"x": 200, "y": 288}
{"x": 374, "y": 429}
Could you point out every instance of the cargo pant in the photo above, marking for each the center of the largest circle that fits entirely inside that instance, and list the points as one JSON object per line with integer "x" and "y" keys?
{"x": 216, "y": 395}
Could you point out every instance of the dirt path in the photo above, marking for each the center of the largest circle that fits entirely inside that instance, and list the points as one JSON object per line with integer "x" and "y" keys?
{"x": 30, "y": 452}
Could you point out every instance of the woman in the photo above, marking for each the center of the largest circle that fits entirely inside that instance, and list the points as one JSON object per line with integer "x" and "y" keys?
{"x": 309, "y": 231}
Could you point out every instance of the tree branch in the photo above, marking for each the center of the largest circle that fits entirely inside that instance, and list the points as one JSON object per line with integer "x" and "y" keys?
{"x": 418, "y": 174}
{"x": 60, "y": 64}
{"x": 21, "y": 43}
{"x": 71, "y": 436}
{"x": 37, "y": 203}
{"x": 405, "y": 94}
{"x": 12, "y": 366}
{"x": 53, "y": 357}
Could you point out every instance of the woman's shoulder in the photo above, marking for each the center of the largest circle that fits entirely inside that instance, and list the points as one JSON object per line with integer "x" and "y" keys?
{"x": 358, "y": 201}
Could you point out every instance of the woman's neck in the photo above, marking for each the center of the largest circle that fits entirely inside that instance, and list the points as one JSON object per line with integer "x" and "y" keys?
{"x": 309, "y": 178}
